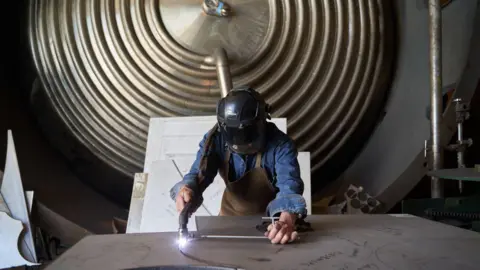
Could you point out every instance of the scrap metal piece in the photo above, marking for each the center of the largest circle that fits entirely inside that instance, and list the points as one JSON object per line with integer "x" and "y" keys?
{"x": 10, "y": 230}
{"x": 359, "y": 202}
{"x": 119, "y": 225}
{"x": 14, "y": 197}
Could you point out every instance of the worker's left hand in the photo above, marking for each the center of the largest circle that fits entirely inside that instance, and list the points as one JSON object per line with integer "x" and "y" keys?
{"x": 283, "y": 230}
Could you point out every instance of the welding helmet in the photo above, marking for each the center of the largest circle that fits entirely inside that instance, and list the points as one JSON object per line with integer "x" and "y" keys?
{"x": 242, "y": 117}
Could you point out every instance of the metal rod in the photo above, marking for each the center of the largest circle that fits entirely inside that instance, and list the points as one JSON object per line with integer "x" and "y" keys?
{"x": 233, "y": 237}
{"x": 460, "y": 154}
{"x": 236, "y": 237}
{"x": 460, "y": 132}
{"x": 223, "y": 71}
{"x": 435, "y": 15}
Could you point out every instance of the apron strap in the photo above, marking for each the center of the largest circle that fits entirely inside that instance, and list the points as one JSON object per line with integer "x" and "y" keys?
{"x": 258, "y": 161}
{"x": 209, "y": 144}
{"x": 226, "y": 165}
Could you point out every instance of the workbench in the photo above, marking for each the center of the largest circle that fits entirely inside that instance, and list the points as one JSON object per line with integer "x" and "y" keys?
{"x": 337, "y": 242}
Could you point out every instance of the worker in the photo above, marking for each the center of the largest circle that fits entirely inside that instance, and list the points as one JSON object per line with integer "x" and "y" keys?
{"x": 257, "y": 162}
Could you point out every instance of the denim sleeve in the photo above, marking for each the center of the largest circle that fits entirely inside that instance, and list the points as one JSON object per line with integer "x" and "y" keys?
{"x": 289, "y": 183}
{"x": 190, "y": 178}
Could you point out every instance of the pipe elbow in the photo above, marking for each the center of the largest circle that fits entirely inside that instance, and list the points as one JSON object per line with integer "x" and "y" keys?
{"x": 220, "y": 56}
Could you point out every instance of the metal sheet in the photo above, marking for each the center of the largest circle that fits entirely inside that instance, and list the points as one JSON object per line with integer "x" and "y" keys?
{"x": 338, "y": 242}
{"x": 10, "y": 232}
{"x": 467, "y": 174}
{"x": 108, "y": 66}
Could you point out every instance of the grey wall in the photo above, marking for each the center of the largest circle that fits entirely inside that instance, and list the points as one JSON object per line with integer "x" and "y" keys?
{"x": 398, "y": 141}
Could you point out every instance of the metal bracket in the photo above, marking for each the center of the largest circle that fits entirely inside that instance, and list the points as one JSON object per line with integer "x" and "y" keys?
{"x": 462, "y": 110}
{"x": 461, "y": 115}
{"x": 216, "y": 8}
{"x": 460, "y": 146}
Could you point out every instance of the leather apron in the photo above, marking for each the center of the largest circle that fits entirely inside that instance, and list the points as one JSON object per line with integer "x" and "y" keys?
{"x": 250, "y": 194}
{"x": 247, "y": 196}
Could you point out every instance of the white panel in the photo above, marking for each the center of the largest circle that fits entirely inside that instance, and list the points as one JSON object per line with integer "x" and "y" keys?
{"x": 136, "y": 202}
{"x": 159, "y": 211}
{"x": 10, "y": 230}
{"x": 177, "y": 138}
{"x": 14, "y": 196}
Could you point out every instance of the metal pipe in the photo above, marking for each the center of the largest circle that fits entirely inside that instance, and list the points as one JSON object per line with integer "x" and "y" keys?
{"x": 435, "y": 16}
{"x": 460, "y": 132}
{"x": 460, "y": 154}
{"x": 236, "y": 237}
{"x": 460, "y": 142}
{"x": 223, "y": 71}
{"x": 233, "y": 237}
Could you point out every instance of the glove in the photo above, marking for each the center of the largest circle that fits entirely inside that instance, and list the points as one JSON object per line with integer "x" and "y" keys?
{"x": 283, "y": 230}
{"x": 185, "y": 195}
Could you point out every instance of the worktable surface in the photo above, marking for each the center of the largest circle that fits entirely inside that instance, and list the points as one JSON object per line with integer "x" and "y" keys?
{"x": 338, "y": 242}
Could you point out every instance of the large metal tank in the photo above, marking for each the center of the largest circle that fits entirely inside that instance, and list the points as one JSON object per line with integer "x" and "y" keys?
{"x": 106, "y": 67}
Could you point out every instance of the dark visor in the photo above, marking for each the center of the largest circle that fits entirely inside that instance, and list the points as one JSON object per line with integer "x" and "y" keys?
{"x": 242, "y": 136}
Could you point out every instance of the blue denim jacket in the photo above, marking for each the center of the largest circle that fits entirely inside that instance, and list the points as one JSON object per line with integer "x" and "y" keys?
{"x": 279, "y": 160}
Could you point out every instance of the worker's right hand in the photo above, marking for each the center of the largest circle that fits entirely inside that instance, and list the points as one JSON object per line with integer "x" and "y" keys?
{"x": 184, "y": 196}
